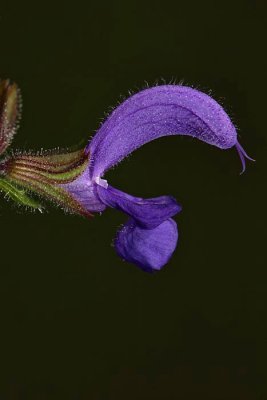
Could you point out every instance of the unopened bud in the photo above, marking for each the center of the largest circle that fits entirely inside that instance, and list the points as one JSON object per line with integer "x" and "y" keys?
{"x": 10, "y": 107}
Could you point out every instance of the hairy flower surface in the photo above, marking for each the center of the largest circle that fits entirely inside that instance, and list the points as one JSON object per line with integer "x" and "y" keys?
{"x": 75, "y": 181}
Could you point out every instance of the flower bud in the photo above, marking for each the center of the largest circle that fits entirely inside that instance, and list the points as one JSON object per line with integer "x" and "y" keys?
{"x": 10, "y": 107}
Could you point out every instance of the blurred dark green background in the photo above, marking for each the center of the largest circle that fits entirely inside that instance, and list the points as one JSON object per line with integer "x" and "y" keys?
{"x": 75, "y": 321}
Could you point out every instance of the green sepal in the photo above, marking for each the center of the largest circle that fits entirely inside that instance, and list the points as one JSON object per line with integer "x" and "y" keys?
{"x": 46, "y": 175}
{"x": 18, "y": 195}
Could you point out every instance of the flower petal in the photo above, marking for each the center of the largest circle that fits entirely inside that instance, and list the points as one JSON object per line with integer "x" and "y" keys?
{"x": 149, "y": 213}
{"x": 150, "y": 249}
{"x": 85, "y": 193}
{"x": 155, "y": 112}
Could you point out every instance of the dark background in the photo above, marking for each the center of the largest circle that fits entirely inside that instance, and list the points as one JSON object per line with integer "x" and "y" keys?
{"x": 76, "y": 322}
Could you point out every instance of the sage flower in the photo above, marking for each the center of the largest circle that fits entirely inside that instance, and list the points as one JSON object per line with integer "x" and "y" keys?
{"x": 75, "y": 180}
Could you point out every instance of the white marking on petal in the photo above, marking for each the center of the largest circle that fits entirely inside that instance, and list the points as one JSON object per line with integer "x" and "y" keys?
{"x": 101, "y": 182}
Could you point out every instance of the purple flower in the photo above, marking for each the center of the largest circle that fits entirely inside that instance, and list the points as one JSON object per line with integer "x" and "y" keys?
{"x": 75, "y": 180}
{"x": 150, "y": 236}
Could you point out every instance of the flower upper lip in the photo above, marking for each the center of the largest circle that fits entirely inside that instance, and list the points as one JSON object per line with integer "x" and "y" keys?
{"x": 155, "y": 112}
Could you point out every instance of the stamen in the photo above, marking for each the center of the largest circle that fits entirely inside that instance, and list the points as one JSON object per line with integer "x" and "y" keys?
{"x": 243, "y": 156}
